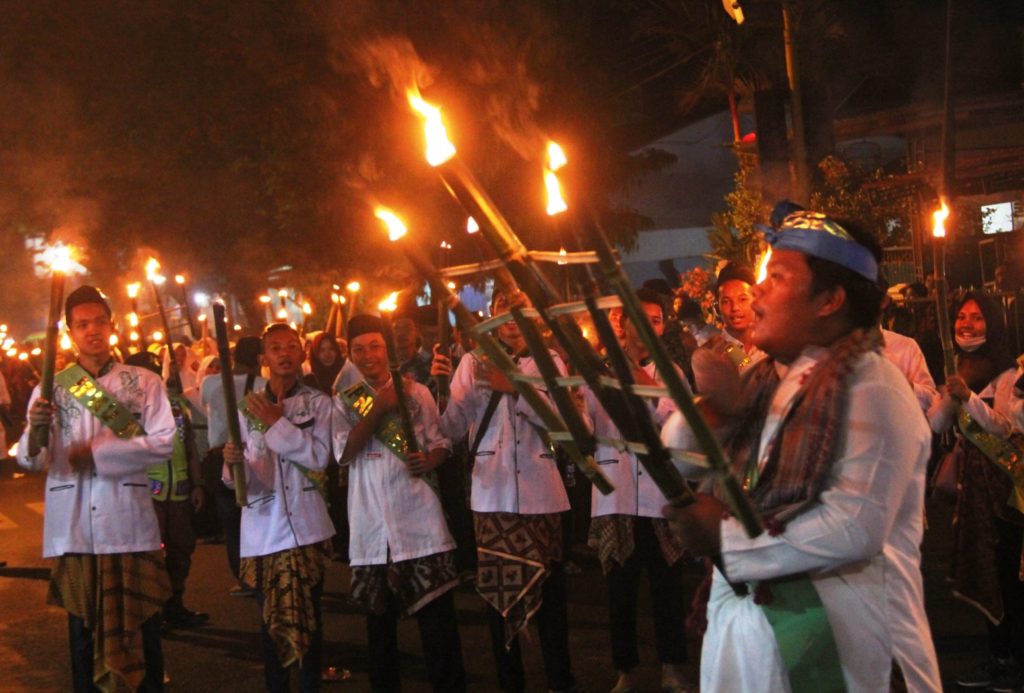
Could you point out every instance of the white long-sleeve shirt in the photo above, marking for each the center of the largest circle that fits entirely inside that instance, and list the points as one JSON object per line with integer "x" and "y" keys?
{"x": 285, "y": 510}
{"x": 390, "y": 511}
{"x": 905, "y": 353}
{"x": 514, "y": 471}
{"x": 1000, "y": 419}
{"x": 847, "y": 542}
{"x": 108, "y": 509}
{"x": 635, "y": 492}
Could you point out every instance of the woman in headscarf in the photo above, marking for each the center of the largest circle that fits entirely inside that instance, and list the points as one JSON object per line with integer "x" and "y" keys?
{"x": 325, "y": 361}
{"x": 981, "y": 401}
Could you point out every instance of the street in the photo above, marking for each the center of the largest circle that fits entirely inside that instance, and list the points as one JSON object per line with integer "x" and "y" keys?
{"x": 224, "y": 655}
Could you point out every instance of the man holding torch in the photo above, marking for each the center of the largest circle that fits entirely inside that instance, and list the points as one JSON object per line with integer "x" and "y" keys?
{"x": 107, "y": 424}
{"x": 401, "y": 553}
{"x": 833, "y": 447}
{"x": 517, "y": 492}
{"x": 285, "y": 525}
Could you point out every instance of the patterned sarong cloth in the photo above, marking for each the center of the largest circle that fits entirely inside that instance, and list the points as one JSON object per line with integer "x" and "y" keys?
{"x": 287, "y": 579}
{"x": 114, "y": 594}
{"x": 413, "y": 583}
{"x": 614, "y": 539}
{"x": 514, "y": 553}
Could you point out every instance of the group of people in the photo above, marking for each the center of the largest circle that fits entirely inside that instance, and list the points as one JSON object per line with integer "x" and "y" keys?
{"x": 827, "y": 420}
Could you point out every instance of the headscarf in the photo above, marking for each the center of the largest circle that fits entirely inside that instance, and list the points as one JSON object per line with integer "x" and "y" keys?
{"x": 322, "y": 376}
{"x": 984, "y": 364}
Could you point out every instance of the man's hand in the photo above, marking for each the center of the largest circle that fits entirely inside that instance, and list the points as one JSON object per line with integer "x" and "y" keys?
{"x": 233, "y": 454}
{"x": 492, "y": 376}
{"x": 718, "y": 381}
{"x": 441, "y": 365}
{"x": 41, "y": 413}
{"x": 196, "y": 497}
{"x": 697, "y": 526}
{"x": 260, "y": 406}
{"x": 420, "y": 463}
{"x": 80, "y": 457}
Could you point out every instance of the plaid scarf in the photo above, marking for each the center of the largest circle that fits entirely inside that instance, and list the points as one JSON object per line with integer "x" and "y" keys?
{"x": 804, "y": 449}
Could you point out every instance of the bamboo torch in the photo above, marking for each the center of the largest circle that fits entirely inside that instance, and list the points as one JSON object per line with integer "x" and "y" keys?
{"x": 387, "y": 308}
{"x": 155, "y": 280}
{"x": 60, "y": 259}
{"x": 227, "y": 379}
{"x": 939, "y": 217}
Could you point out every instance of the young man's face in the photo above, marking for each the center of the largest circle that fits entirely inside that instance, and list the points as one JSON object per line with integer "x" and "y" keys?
{"x": 787, "y": 315}
{"x": 507, "y": 332}
{"x": 90, "y": 329}
{"x": 370, "y": 354}
{"x": 735, "y": 302}
{"x": 283, "y": 353}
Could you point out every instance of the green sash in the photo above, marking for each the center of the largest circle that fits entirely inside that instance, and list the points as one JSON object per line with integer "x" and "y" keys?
{"x": 359, "y": 399}
{"x": 1005, "y": 453}
{"x": 318, "y": 479}
{"x": 100, "y": 403}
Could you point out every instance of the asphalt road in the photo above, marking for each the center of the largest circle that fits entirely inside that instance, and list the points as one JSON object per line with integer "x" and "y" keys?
{"x": 224, "y": 654}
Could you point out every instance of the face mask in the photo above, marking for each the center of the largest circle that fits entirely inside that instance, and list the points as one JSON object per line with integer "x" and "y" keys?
{"x": 971, "y": 344}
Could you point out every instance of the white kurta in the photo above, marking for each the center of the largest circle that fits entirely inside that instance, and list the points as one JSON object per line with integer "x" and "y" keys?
{"x": 906, "y": 355}
{"x": 843, "y": 542}
{"x": 109, "y": 509}
{"x": 392, "y": 513}
{"x": 285, "y": 509}
{"x": 635, "y": 492}
{"x": 514, "y": 471}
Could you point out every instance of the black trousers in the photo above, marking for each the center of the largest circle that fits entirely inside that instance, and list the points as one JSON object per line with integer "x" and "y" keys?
{"x": 275, "y": 675}
{"x": 667, "y": 606}
{"x": 1007, "y": 639}
{"x": 442, "y": 649}
{"x": 83, "y": 647}
{"x": 231, "y": 522}
{"x": 552, "y": 620}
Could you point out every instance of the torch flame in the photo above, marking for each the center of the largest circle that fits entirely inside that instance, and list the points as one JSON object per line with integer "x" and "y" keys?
{"x": 439, "y": 148}
{"x": 396, "y": 229}
{"x": 471, "y": 225}
{"x": 562, "y": 256}
{"x": 307, "y": 309}
{"x": 556, "y": 160}
{"x": 352, "y": 286}
{"x": 762, "y": 267}
{"x": 133, "y": 289}
{"x": 153, "y": 271}
{"x": 59, "y": 258}
{"x": 389, "y": 304}
{"x": 939, "y": 217}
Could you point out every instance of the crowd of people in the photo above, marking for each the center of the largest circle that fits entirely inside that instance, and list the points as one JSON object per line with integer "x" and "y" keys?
{"x": 833, "y": 424}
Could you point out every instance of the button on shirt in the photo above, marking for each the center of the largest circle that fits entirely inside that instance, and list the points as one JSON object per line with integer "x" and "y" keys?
{"x": 391, "y": 512}
{"x": 108, "y": 509}
{"x": 635, "y": 492}
{"x": 514, "y": 470}
{"x": 285, "y": 510}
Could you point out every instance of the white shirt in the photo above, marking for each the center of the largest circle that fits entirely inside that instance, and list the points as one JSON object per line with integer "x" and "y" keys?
{"x": 1001, "y": 419}
{"x": 285, "y": 510}
{"x": 906, "y": 355}
{"x": 635, "y": 492}
{"x": 109, "y": 509}
{"x": 514, "y": 471}
{"x": 390, "y": 511}
{"x": 848, "y": 542}
{"x": 212, "y": 397}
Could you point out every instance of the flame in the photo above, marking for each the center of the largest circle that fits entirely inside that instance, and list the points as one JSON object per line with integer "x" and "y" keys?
{"x": 307, "y": 309}
{"x": 282, "y": 293}
{"x": 445, "y": 245}
{"x": 562, "y": 256}
{"x": 13, "y": 450}
{"x": 238, "y": 328}
{"x": 133, "y": 319}
{"x": 133, "y": 289}
{"x": 439, "y": 148}
{"x": 134, "y": 336}
{"x": 471, "y": 225}
{"x": 451, "y": 285}
{"x": 556, "y": 160}
{"x": 762, "y": 267}
{"x": 396, "y": 229}
{"x": 179, "y": 279}
{"x": 12, "y": 352}
{"x": 23, "y": 356}
{"x": 334, "y": 297}
{"x": 113, "y": 340}
{"x": 353, "y": 286}
{"x": 59, "y": 258}
{"x": 65, "y": 342}
{"x": 389, "y": 304}
{"x": 158, "y": 336}
{"x": 201, "y": 317}
{"x": 153, "y": 271}
{"x": 939, "y": 217}
{"x": 282, "y": 314}
{"x": 36, "y": 351}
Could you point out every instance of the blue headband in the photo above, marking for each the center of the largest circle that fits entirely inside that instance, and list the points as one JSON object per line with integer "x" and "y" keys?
{"x": 814, "y": 234}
